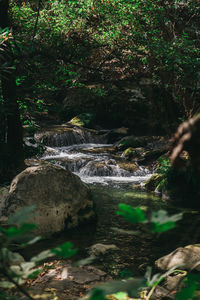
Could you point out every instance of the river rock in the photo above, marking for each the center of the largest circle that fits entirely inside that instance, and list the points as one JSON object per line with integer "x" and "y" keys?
{"x": 101, "y": 249}
{"x": 152, "y": 183}
{"x": 62, "y": 200}
{"x": 188, "y": 257}
{"x": 132, "y": 141}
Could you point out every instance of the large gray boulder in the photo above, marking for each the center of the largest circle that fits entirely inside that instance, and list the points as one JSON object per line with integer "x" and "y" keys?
{"x": 62, "y": 200}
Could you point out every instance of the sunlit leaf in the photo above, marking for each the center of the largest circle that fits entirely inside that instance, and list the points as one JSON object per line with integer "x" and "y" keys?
{"x": 161, "y": 221}
{"x": 133, "y": 215}
{"x": 14, "y": 232}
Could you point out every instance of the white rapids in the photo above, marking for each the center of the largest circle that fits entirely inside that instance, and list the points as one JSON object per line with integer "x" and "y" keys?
{"x": 94, "y": 167}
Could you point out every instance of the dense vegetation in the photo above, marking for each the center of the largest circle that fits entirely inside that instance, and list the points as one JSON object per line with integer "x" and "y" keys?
{"x": 128, "y": 63}
{"x": 87, "y": 51}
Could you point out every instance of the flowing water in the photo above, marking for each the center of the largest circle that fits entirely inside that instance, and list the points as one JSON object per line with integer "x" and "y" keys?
{"x": 97, "y": 164}
{"x": 94, "y": 166}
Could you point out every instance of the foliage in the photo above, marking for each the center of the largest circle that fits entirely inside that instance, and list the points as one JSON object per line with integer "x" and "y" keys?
{"x": 192, "y": 284}
{"x": 181, "y": 183}
{"x": 158, "y": 221}
{"x": 83, "y": 120}
{"x": 75, "y": 40}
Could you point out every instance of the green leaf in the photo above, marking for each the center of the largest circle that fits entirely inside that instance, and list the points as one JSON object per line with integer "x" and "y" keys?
{"x": 97, "y": 294}
{"x": 156, "y": 227}
{"x": 34, "y": 274}
{"x": 14, "y": 232}
{"x": 65, "y": 250}
{"x": 133, "y": 215}
{"x": 130, "y": 286}
{"x": 192, "y": 283}
{"x": 120, "y": 296}
{"x": 162, "y": 222}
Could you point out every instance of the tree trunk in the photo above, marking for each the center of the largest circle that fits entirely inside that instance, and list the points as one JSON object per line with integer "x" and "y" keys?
{"x": 12, "y": 151}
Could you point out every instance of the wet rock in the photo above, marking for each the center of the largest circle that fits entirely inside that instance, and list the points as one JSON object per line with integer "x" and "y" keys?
{"x": 173, "y": 282}
{"x": 153, "y": 182}
{"x": 66, "y": 135}
{"x": 128, "y": 166}
{"x": 188, "y": 257}
{"x": 61, "y": 198}
{"x": 115, "y": 135}
{"x": 128, "y": 153}
{"x": 154, "y": 154}
{"x": 162, "y": 293}
{"x": 32, "y": 148}
{"x": 102, "y": 168}
{"x": 132, "y": 141}
{"x": 101, "y": 249}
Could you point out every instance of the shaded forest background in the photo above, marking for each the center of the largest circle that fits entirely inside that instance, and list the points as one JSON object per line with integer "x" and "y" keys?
{"x": 128, "y": 63}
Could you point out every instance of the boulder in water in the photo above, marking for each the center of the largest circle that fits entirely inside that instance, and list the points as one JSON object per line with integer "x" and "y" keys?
{"x": 62, "y": 200}
{"x": 152, "y": 183}
{"x": 132, "y": 141}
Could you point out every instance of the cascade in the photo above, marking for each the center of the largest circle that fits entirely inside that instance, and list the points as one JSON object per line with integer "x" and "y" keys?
{"x": 93, "y": 166}
{"x": 70, "y": 136}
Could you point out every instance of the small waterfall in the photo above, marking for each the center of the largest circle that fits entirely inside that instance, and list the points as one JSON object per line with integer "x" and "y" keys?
{"x": 66, "y": 136}
{"x": 93, "y": 166}
{"x": 82, "y": 152}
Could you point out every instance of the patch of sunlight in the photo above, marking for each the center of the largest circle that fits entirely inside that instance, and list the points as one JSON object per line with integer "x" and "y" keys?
{"x": 118, "y": 296}
{"x": 140, "y": 195}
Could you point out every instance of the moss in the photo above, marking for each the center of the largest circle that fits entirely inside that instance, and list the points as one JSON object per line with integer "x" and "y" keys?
{"x": 153, "y": 182}
{"x": 128, "y": 153}
{"x": 83, "y": 120}
{"x": 128, "y": 166}
{"x": 132, "y": 141}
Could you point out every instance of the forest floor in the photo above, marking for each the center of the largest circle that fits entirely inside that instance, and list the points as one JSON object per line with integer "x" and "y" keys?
{"x": 136, "y": 250}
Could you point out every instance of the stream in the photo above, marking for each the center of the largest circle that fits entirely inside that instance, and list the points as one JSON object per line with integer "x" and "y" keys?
{"x": 112, "y": 180}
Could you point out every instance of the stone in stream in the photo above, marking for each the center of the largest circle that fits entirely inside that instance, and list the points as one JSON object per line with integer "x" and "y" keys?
{"x": 188, "y": 257}
{"x": 132, "y": 141}
{"x": 101, "y": 249}
{"x": 62, "y": 200}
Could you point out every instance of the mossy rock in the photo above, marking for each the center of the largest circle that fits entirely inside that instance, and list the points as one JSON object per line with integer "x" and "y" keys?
{"x": 83, "y": 120}
{"x": 128, "y": 166}
{"x": 132, "y": 141}
{"x": 153, "y": 182}
{"x": 155, "y": 154}
{"x": 128, "y": 153}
